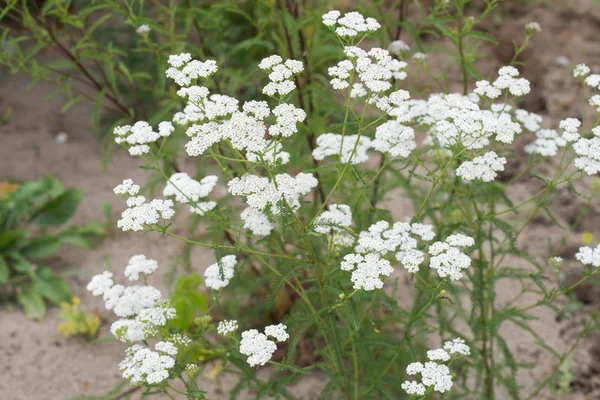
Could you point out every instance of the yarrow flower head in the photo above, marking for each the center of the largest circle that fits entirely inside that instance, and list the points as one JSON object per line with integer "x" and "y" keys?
{"x": 533, "y": 27}
{"x": 258, "y": 347}
{"x": 434, "y": 373}
{"x": 457, "y": 346}
{"x": 217, "y": 275}
{"x": 227, "y": 327}
{"x": 398, "y": 47}
{"x": 139, "y": 213}
{"x": 570, "y": 127}
{"x": 142, "y": 365}
{"x": 332, "y": 144}
{"x": 351, "y": 24}
{"x": 101, "y": 283}
{"x": 261, "y": 193}
{"x": 546, "y": 144}
{"x": 280, "y": 74}
{"x": 401, "y": 238}
{"x": 589, "y": 256}
{"x": 395, "y": 139}
{"x": 139, "y": 264}
{"x": 143, "y": 29}
{"x": 189, "y": 191}
{"x": 337, "y": 217}
{"x": 447, "y": 259}
{"x": 183, "y": 70}
{"x": 483, "y": 167}
{"x": 127, "y": 188}
{"x": 138, "y": 137}
{"x": 366, "y": 270}
{"x": 141, "y": 308}
{"x": 588, "y": 153}
{"x": 581, "y": 71}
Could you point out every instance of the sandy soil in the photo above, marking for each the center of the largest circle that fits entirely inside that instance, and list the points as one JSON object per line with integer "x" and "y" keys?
{"x": 36, "y": 362}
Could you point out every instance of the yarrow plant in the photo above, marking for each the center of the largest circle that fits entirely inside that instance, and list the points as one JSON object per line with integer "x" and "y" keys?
{"x": 293, "y": 198}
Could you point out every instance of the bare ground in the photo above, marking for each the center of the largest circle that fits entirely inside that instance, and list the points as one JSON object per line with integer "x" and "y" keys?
{"x": 36, "y": 362}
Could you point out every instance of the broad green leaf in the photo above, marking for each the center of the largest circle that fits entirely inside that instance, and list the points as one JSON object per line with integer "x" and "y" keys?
{"x": 81, "y": 236}
{"x": 9, "y": 239}
{"x": 50, "y": 286}
{"x": 42, "y": 247}
{"x": 20, "y": 263}
{"x": 59, "y": 210}
{"x": 4, "y": 270}
{"x": 32, "y": 302}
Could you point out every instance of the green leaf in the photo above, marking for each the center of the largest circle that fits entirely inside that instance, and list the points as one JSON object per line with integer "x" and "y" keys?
{"x": 106, "y": 210}
{"x": 4, "y": 270}
{"x": 71, "y": 103}
{"x": 59, "y": 210}
{"x": 8, "y": 239}
{"x": 81, "y": 236}
{"x": 32, "y": 302}
{"x": 20, "y": 263}
{"x": 50, "y": 286}
{"x": 42, "y": 247}
{"x": 483, "y": 36}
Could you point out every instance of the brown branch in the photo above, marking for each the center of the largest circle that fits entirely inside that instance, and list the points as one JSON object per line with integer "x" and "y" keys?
{"x": 401, "y": 11}
{"x": 81, "y": 67}
{"x": 310, "y": 138}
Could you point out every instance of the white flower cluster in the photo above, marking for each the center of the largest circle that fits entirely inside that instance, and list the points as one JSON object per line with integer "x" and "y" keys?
{"x": 280, "y": 74}
{"x": 189, "y": 191}
{"x": 258, "y": 347}
{"x": 140, "y": 307}
{"x": 398, "y": 47}
{"x": 183, "y": 70}
{"x": 446, "y": 257}
{"x": 593, "y": 81}
{"x": 587, "y": 150}
{"x": 531, "y": 121}
{"x": 395, "y": 139}
{"x": 581, "y": 71}
{"x": 142, "y": 365}
{"x": 366, "y": 270}
{"x": 127, "y": 188}
{"x": 337, "y": 217}
{"x": 589, "y": 256}
{"x": 483, "y": 167}
{"x": 287, "y": 118}
{"x": 256, "y": 221}
{"x": 218, "y": 117}
{"x": 546, "y": 143}
{"x": 217, "y": 275}
{"x": 380, "y": 239}
{"x": 507, "y": 80}
{"x": 458, "y": 119}
{"x": 261, "y": 193}
{"x": 570, "y": 128}
{"x": 375, "y": 69}
{"x": 595, "y": 102}
{"x": 138, "y": 137}
{"x": 351, "y": 24}
{"x": 400, "y": 238}
{"x": 138, "y": 212}
{"x": 139, "y": 264}
{"x": 533, "y": 27}
{"x": 434, "y": 374}
{"x": 332, "y": 144}
{"x": 588, "y": 153}
{"x": 226, "y": 327}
